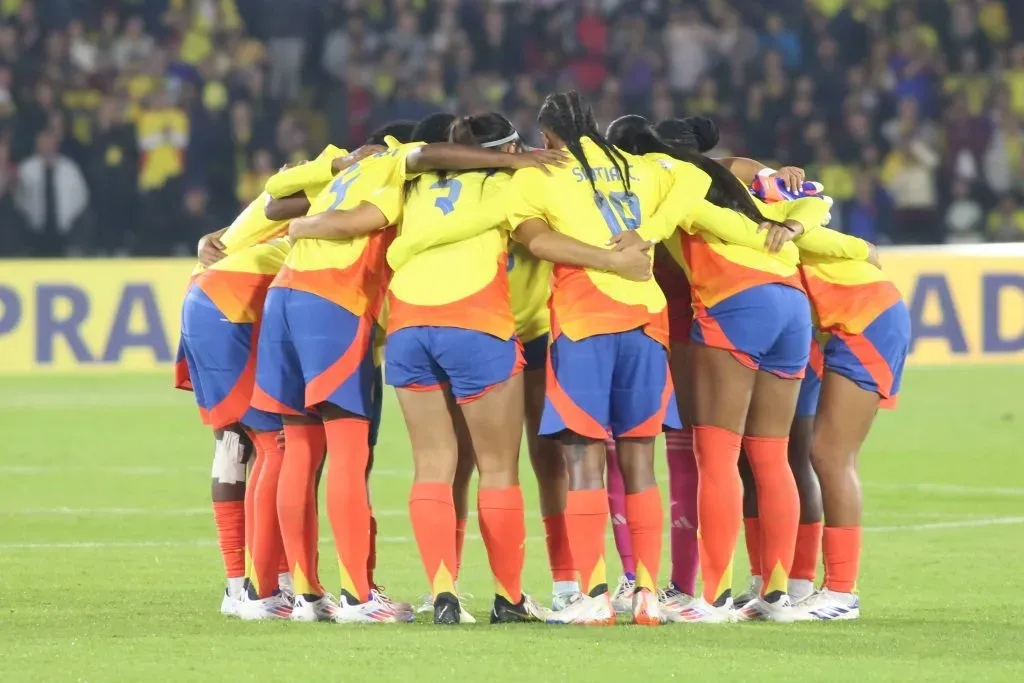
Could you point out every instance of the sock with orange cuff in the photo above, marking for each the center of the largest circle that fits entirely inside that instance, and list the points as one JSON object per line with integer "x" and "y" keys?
{"x": 267, "y": 549}
{"x": 503, "y": 528}
{"x": 778, "y": 506}
{"x": 586, "y": 518}
{"x": 230, "y": 519}
{"x": 559, "y": 552}
{"x": 646, "y": 520}
{"x": 296, "y": 504}
{"x": 808, "y": 550}
{"x": 348, "y": 505}
{"x": 432, "y": 512}
{"x": 841, "y": 546}
{"x": 719, "y": 506}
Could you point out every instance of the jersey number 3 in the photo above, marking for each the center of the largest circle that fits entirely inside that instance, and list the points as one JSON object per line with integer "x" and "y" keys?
{"x": 452, "y": 189}
{"x": 621, "y": 211}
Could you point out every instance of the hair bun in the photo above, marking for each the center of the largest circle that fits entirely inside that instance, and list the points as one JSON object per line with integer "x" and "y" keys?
{"x": 705, "y": 131}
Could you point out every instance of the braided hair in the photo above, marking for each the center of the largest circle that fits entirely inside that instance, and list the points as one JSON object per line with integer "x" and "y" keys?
{"x": 565, "y": 115}
{"x": 635, "y": 135}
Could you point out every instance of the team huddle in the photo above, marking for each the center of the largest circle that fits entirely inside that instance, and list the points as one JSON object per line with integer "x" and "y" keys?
{"x": 592, "y": 294}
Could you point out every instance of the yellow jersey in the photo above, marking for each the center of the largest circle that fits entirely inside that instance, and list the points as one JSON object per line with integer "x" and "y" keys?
{"x": 586, "y": 302}
{"x": 463, "y": 284}
{"x": 529, "y": 282}
{"x": 350, "y": 272}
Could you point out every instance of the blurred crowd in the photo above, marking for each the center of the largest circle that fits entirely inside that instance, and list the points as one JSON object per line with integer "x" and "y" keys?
{"x": 135, "y": 126}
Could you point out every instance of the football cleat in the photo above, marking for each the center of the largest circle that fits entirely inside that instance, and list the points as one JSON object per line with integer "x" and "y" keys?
{"x": 699, "y": 611}
{"x": 277, "y": 606}
{"x": 527, "y": 609}
{"x": 753, "y": 592}
{"x": 447, "y": 609}
{"x": 376, "y": 610}
{"x": 622, "y": 599}
{"x": 827, "y": 605}
{"x": 673, "y": 602}
{"x": 307, "y": 608}
{"x": 586, "y": 610}
{"x": 779, "y": 611}
{"x": 647, "y": 608}
{"x": 229, "y": 604}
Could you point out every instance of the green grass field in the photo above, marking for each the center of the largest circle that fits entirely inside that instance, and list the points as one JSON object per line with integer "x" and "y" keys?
{"x": 109, "y": 569}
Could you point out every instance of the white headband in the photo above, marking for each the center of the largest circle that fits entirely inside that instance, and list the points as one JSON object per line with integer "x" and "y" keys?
{"x": 503, "y": 141}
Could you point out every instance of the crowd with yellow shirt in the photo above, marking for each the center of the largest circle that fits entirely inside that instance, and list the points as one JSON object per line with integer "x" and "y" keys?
{"x": 911, "y": 110}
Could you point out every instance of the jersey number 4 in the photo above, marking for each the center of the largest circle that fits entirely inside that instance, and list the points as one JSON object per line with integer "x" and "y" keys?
{"x": 621, "y": 211}
{"x": 452, "y": 189}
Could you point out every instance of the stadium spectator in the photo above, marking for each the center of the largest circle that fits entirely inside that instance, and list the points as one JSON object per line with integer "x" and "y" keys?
{"x": 204, "y": 85}
{"x": 53, "y": 196}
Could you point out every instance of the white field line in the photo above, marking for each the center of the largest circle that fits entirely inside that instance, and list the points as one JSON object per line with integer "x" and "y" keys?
{"x": 198, "y": 543}
{"x": 952, "y": 489}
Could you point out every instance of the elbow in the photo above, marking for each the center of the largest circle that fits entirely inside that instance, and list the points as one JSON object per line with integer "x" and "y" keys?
{"x": 274, "y": 212}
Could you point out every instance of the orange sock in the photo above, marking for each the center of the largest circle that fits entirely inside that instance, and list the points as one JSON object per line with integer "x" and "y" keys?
{"x": 559, "y": 553}
{"x": 251, "y": 482}
{"x": 586, "y": 519}
{"x": 808, "y": 549}
{"x": 371, "y": 561}
{"x": 646, "y": 520}
{"x": 348, "y": 506}
{"x": 296, "y": 504}
{"x": 460, "y": 541}
{"x": 432, "y": 512}
{"x": 267, "y": 550}
{"x": 503, "y": 527}
{"x": 752, "y": 537}
{"x": 778, "y": 505}
{"x": 719, "y": 507}
{"x": 842, "y": 558}
{"x": 230, "y": 519}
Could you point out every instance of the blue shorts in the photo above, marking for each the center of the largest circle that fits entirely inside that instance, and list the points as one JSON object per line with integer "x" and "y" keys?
{"x": 874, "y": 359}
{"x": 767, "y": 327}
{"x": 810, "y": 386}
{"x": 618, "y": 383}
{"x": 313, "y": 351}
{"x": 536, "y": 353}
{"x": 217, "y": 359}
{"x": 469, "y": 361}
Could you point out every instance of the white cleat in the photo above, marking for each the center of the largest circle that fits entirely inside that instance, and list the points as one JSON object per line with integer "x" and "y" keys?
{"x": 781, "y": 611}
{"x": 622, "y": 598}
{"x": 426, "y": 604}
{"x": 229, "y": 604}
{"x": 753, "y": 592}
{"x": 673, "y": 602}
{"x": 378, "y": 591}
{"x": 376, "y": 610}
{"x": 699, "y": 611}
{"x": 800, "y": 590}
{"x": 826, "y": 605}
{"x": 587, "y": 611}
{"x": 647, "y": 609}
{"x": 560, "y": 601}
{"x": 286, "y": 585}
{"x": 277, "y": 606}
{"x": 322, "y": 609}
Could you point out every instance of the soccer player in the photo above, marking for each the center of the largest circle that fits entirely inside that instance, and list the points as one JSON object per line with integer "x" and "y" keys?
{"x": 216, "y": 356}
{"x": 528, "y": 274}
{"x": 744, "y": 367}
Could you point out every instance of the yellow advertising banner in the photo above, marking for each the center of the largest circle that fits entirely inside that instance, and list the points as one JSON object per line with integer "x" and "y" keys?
{"x": 966, "y": 305}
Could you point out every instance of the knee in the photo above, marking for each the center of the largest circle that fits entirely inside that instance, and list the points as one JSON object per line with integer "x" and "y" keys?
{"x": 829, "y": 457}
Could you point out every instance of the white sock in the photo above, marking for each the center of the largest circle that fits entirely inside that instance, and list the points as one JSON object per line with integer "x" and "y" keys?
{"x": 284, "y": 582}
{"x": 800, "y": 588}
{"x": 756, "y": 584}
{"x": 565, "y": 587}
{"x": 235, "y": 585}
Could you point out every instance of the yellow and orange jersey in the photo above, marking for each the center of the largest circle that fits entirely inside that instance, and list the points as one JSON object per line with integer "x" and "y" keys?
{"x": 254, "y": 251}
{"x": 718, "y": 269}
{"x": 463, "y": 284}
{"x": 350, "y": 272}
{"x": 529, "y": 282}
{"x": 846, "y": 294}
{"x": 587, "y": 302}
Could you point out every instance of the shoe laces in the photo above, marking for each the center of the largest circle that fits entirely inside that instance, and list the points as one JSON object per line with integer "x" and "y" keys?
{"x": 626, "y": 586}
